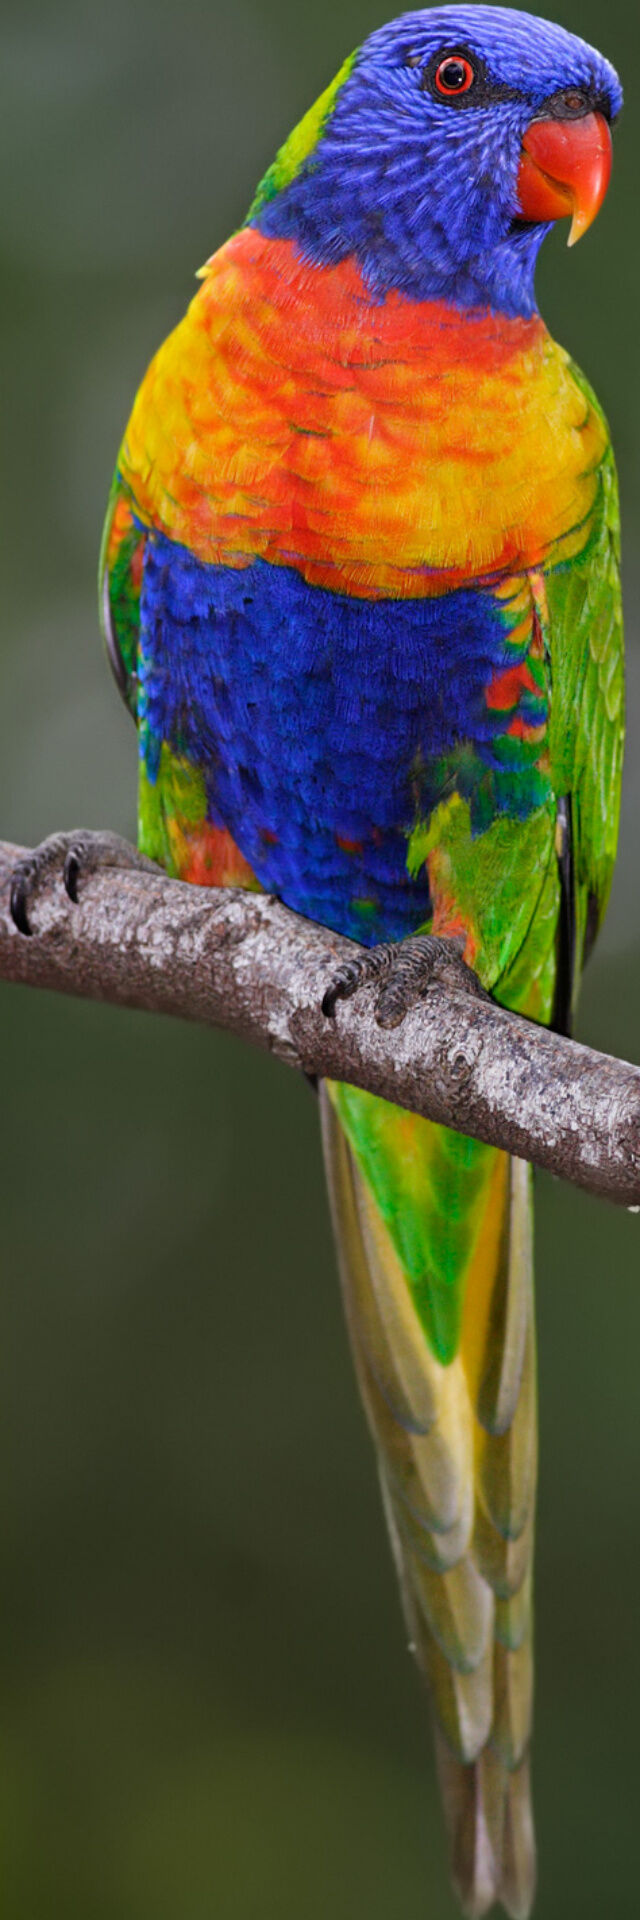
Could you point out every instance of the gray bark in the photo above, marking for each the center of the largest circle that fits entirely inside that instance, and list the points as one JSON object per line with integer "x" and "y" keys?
{"x": 243, "y": 962}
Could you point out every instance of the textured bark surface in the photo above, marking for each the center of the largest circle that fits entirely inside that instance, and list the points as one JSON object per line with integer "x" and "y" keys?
{"x": 244, "y": 962}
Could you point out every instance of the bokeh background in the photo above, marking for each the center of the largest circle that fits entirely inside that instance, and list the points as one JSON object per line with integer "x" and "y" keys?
{"x": 207, "y": 1709}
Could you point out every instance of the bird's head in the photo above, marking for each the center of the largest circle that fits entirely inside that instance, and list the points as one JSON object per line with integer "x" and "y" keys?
{"x": 447, "y": 146}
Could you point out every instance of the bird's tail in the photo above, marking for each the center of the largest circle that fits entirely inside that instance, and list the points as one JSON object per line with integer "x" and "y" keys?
{"x": 456, "y": 1441}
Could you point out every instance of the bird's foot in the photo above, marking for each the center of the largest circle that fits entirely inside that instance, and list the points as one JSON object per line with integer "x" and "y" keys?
{"x": 403, "y": 970}
{"x": 71, "y": 857}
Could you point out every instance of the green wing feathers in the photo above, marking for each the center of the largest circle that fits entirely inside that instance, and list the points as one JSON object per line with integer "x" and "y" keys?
{"x": 120, "y": 581}
{"x": 585, "y": 636}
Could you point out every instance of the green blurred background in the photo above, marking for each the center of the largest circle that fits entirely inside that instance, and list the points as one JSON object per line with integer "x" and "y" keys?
{"x": 207, "y": 1708}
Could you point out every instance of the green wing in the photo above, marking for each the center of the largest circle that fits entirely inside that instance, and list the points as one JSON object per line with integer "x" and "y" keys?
{"x": 120, "y": 578}
{"x": 587, "y": 717}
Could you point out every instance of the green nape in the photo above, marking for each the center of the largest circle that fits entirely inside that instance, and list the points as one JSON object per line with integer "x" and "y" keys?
{"x": 300, "y": 144}
{"x": 432, "y": 1188}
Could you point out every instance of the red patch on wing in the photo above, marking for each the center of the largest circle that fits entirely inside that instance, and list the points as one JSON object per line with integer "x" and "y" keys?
{"x": 121, "y": 524}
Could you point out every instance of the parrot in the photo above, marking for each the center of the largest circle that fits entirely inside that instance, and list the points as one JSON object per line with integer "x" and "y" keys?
{"x": 360, "y": 591}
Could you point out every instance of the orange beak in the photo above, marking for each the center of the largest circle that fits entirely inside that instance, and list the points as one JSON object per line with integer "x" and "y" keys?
{"x": 565, "y": 169}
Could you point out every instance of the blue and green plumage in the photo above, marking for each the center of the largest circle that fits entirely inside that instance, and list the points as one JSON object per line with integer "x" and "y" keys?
{"x": 361, "y": 591}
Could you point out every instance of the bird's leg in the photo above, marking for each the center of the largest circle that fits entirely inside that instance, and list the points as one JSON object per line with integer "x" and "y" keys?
{"x": 404, "y": 970}
{"x": 70, "y": 856}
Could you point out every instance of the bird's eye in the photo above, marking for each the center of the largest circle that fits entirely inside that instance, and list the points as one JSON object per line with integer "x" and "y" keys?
{"x": 454, "y": 76}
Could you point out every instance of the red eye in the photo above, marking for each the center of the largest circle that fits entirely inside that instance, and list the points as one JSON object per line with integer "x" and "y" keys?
{"x": 454, "y": 76}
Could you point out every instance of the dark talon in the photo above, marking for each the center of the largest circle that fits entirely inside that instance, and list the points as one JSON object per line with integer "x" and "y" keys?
{"x": 22, "y": 875}
{"x": 70, "y": 875}
{"x": 342, "y": 987}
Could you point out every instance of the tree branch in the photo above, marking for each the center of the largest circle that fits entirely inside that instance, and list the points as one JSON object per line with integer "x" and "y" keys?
{"x": 244, "y": 962}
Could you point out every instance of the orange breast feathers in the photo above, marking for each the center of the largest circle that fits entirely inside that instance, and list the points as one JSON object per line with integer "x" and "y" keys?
{"x": 385, "y": 449}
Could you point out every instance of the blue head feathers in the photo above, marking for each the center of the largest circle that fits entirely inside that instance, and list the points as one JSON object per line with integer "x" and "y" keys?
{"x": 420, "y": 184}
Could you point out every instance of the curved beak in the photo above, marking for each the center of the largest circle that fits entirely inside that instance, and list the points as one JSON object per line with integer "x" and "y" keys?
{"x": 565, "y": 169}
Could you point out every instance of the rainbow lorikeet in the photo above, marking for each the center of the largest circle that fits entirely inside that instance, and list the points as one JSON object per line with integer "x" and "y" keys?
{"x": 360, "y": 591}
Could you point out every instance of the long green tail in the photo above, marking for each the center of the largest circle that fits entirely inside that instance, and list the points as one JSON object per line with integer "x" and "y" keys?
{"x": 440, "y": 1313}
